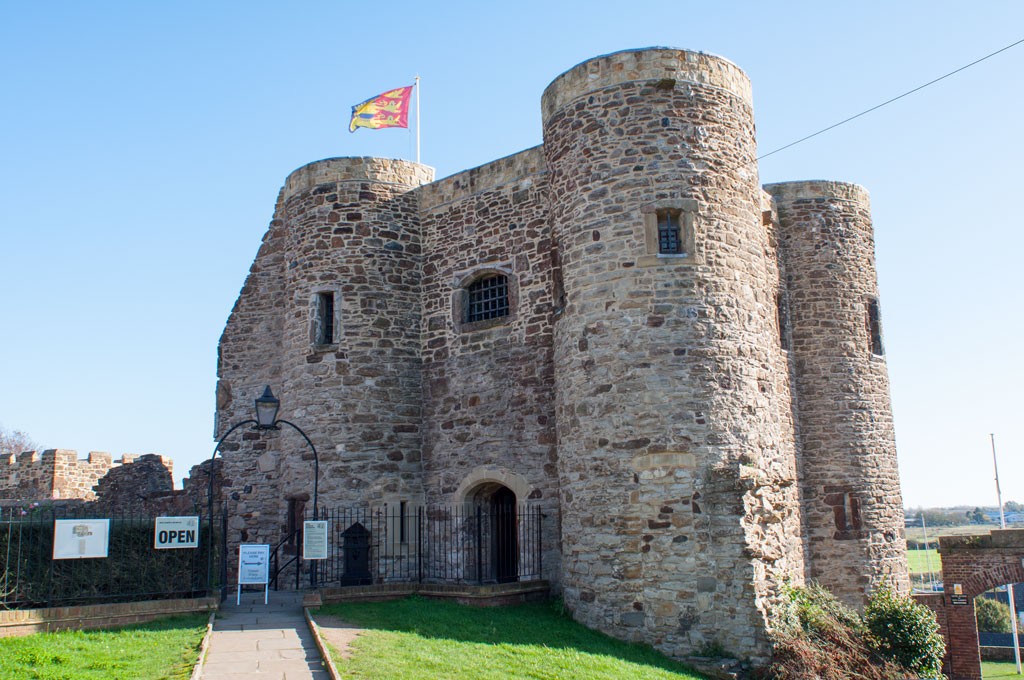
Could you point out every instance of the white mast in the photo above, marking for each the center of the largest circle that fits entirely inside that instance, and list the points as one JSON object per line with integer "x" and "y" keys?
{"x": 1009, "y": 588}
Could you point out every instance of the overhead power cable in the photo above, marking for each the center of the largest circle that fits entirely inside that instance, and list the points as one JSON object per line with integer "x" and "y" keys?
{"x": 890, "y": 101}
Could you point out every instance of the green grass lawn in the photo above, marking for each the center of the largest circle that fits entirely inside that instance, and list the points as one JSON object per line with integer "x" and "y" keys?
{"x": 998, "y": 669}
{"x": 918, "y": 561}
{"x": 416, "y": 638}
{"x": 161, "y": 650}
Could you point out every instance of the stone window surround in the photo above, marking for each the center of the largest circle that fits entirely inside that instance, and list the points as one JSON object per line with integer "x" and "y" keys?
{"x": 687, "y": 209}
{"x": 460, "y": 296}
{"x": 314, "y": 317}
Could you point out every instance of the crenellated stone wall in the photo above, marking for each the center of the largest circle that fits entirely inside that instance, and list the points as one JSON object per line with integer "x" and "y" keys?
{"x": 58, "y": 474}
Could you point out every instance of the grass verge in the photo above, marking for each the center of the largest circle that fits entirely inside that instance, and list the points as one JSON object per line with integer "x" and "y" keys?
{"x": 160, "y": 650}
{"x": 998, "y": 669}
{"x": 417, "y": 638}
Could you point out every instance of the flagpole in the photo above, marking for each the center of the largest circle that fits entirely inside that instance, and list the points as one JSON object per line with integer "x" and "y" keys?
{"x": 417, "y": 83}
{"x": 1009, "y": 587}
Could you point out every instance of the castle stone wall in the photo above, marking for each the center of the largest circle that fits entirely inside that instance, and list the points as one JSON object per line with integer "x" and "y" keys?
{"x": 853, "y": 510}
{"x": 348, "y": 228}
{"x": 679, "y": 502}
{"x": 488, "y": 393}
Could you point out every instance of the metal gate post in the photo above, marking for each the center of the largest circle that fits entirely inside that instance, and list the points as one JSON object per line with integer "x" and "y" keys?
{"x": 479, "y": 546}
{"x": 419, "y": 544}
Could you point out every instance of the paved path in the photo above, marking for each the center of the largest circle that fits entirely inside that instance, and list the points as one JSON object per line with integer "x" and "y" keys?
{"x": 263, "y": 642}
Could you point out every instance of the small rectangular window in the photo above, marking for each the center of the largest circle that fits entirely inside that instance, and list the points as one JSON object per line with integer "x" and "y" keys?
{"x": 325, "y": 318}
{"x": 669, "y": 237}
{"x": 782, "y": 318}
{"x": 874, "y": 327}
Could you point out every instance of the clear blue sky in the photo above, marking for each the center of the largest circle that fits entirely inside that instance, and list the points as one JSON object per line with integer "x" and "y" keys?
{"x": 142, "y": 146}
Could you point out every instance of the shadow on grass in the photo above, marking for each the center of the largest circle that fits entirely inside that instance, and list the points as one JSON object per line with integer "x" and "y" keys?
{"x": 535, "y": 624}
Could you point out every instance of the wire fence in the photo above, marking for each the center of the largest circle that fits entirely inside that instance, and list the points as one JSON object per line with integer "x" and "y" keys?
{"x": 33, "y": 574}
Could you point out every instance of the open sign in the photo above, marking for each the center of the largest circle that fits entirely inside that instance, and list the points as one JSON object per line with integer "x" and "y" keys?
{"x": 176, "y": 532}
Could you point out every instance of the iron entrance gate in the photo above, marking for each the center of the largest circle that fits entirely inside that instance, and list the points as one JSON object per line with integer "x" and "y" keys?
{"x": 458, "y": 544}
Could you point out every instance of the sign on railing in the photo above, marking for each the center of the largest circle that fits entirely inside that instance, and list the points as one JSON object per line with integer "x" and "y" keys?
{"x": 314, "y": 540}
{"x": 176, "y": 532}
{"x": 77, "y": 539}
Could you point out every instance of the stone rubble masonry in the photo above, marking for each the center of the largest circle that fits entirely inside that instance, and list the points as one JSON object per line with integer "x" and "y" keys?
{"x": 139, "y": 484}
{"x": 853, "y": 509}
{"x": 692, "y": 448}
{"x": 680, "y": 510}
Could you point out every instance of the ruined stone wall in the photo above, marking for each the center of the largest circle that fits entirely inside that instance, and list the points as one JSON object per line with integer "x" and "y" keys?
{"x": 348, "y": 228}
{"x": 488, "y": 392}
{"x": 679, "y": 503}
{"x": 58, "y": 474}
{"x": 853, "y": 510}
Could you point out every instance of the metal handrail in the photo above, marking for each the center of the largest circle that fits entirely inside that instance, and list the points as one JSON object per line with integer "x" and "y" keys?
{"x": 293, "y": 537}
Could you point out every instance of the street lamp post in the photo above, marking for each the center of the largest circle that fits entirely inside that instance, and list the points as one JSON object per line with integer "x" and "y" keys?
{"x": 267, "y": 406}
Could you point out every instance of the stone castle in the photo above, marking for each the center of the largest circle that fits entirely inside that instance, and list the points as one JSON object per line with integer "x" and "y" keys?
{"x": 621, "y": 326}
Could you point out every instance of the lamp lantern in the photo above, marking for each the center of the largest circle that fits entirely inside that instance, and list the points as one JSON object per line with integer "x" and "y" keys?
{"x": 266, "y": 410}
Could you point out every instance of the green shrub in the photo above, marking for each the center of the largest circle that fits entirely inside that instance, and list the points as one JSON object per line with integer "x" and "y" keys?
{"x": 993, "y": 616}
{"x": 905, "y": 632}
{"x": 817, "y": 636}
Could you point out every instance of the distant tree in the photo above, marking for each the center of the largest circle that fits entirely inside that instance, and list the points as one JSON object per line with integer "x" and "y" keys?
{"x": 977, "y": 516}
{"x": 1013, "y": 506}
{"x": 993, "y": 616}
{"x": 16, "y": 441}
{"x": 937, "y": 517}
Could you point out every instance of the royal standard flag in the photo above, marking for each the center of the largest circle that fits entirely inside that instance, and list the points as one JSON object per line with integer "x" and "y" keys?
{"x": 390, "y": 109}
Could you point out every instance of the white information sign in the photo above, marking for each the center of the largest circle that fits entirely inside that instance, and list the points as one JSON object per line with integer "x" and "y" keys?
{"x": 76, "y": 539}
{"x": 253, "y": 567}
{"x": 176, "y": 532}
{"x": 253, "y": 564}
{"x": 314, "y": 540}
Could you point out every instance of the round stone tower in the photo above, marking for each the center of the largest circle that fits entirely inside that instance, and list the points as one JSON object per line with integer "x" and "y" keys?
{"x": 677, "y": 469}
{"x": 333, "y": 302}
{"x": 853, "y": 507}
{"x": 351, "y": 331}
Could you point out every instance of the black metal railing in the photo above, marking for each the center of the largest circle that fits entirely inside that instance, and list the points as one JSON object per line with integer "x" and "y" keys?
{"x": 132, "y": 570}
{"x": 462, "y": 543}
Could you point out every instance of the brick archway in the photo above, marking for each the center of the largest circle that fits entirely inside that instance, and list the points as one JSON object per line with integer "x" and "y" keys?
{"x": 976, "y": 563}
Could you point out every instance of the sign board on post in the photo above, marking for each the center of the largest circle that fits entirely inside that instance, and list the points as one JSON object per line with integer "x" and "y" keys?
{"x": 77, "y": 539}
{"x": 314, "y": 540}
{"x": 176, "y": 532}
{"x": 253, "y": 567}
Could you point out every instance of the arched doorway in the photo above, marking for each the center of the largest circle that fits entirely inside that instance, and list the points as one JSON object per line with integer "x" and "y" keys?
{"x": 495, "y": 508}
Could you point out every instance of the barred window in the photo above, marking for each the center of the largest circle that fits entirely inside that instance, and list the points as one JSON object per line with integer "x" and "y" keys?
{"x": 669, "y": 237}
{"x": 487, "y": 298}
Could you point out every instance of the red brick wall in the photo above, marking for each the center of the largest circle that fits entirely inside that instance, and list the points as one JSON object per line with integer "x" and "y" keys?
{"x": 977, "y": 563}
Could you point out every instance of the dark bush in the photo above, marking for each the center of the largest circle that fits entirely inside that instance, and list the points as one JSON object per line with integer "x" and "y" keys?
{"x": 133, "y": 570}
{"x": 905, "y": 632}
{"x": 993, "y": 616}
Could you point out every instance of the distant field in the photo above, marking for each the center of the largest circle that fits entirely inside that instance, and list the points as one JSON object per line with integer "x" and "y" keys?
{"x": 918, "y": 561}
{"x": 917, "y": 534}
